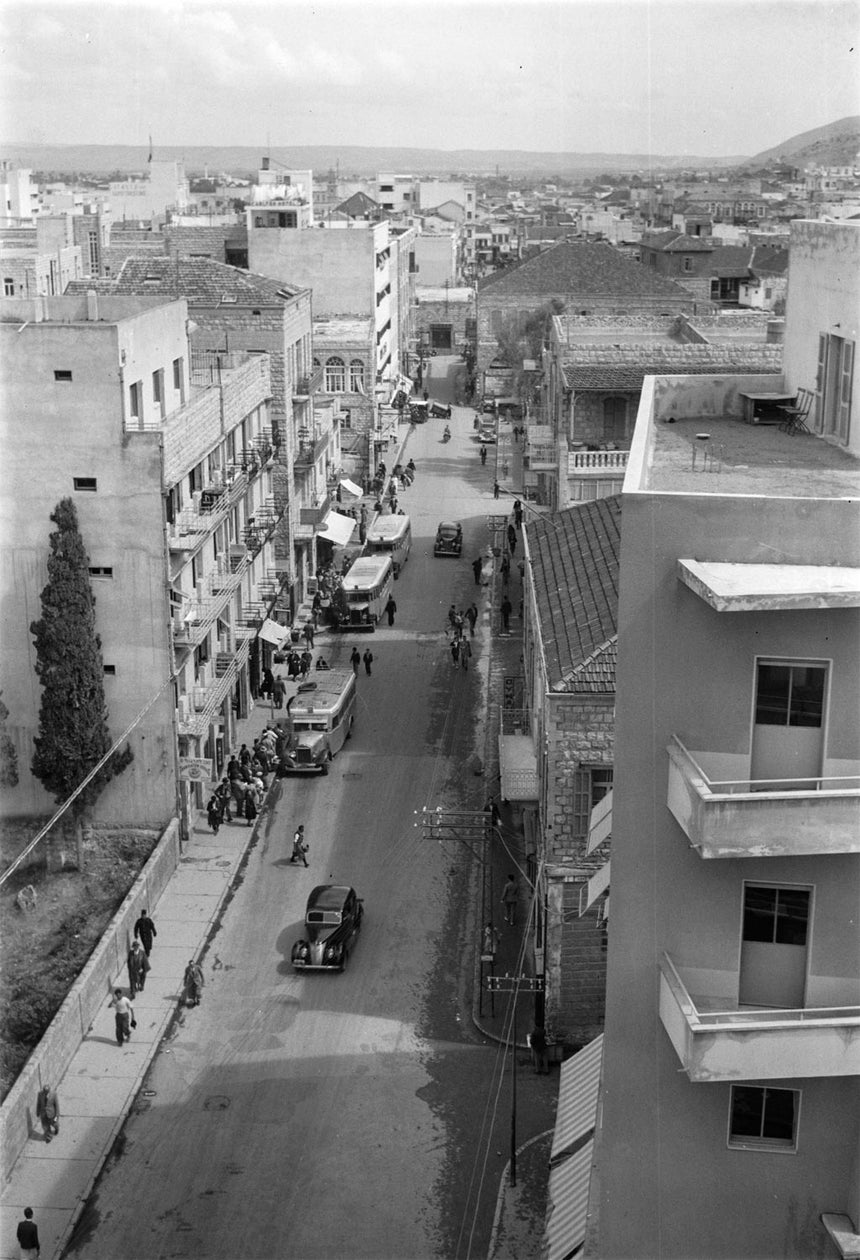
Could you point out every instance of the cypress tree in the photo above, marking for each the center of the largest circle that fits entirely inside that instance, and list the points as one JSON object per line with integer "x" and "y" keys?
{"x": 8, "y": 753}
{"x": 73, "y": 730}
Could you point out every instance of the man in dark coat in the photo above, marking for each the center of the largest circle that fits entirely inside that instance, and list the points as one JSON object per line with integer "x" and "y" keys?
{"x": 144, "y": 931}
{"x": 138, "y": 966}
{"x": 368, "y": 660}
{"x": 390, "y": 609}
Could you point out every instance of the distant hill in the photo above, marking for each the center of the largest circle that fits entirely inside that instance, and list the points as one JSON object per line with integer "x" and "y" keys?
{"x": 836, "y": 144}
{"x": 349, "y": 159}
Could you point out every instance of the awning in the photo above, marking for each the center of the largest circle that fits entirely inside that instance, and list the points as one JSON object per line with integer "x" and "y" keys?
{"x": 600, "y": 826}
{"x": 579, "y": 1083}
{"x": 337, "y": 528}
{"x": 351, "y": 488}
{"x": 273, "y": 632}
{"x": 771, "y": 587}
{"x": 589, "y": 892}
{"x": 568, "y": 1204}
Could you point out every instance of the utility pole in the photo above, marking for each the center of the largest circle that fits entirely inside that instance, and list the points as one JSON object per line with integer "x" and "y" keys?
{"x": 514, "y": 985}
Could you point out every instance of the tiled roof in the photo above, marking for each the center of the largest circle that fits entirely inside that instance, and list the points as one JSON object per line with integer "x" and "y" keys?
{"x": 767, "y": 261}
{"x": 582, "y": 269}
{"x": 202, "y": 281}
{"x": 678, "y": 243}
{"x": 629, "y": 377}
{"x": 574, "y": 557}
{"x": 730, "y": 261}
{"x": 358, "y": 203}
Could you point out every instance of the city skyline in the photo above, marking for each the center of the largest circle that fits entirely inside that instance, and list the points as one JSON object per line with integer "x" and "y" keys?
{"x": 711, "y": 78}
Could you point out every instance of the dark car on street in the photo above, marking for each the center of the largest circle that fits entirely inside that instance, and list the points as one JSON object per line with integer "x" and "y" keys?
{"x": 449, "y": 539}
{"x": 332, "y": 924}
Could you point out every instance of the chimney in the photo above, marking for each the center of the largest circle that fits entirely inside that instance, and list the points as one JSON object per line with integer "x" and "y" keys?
{"x": 92, "y": 306}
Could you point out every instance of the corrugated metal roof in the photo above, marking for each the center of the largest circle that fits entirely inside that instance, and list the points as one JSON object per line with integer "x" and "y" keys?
{"x": 578, "y": 1088}
{"x": 574, "y": 559}
{"x": 568, "y": 1199}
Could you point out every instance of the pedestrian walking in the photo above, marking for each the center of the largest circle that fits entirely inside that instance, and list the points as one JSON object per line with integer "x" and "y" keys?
{"x": 510, "y": 896}
{"x": 267, "y": 684}
{"x": 138, "y": 965}
{"x": 538, "y": 1046}
{"x": 368, "y": 660}
{"x": 123, "y": 1016}
{"x": 506, "y": 609}
{"x": 455, "y": 651}
{"x": 308, "y": 632}
{"x": 512, "y": 539}
{"x": 224, "y": 796}
{"x": 306, "y": 661}
{"x": 478, "y": 569}
{"x": 355, "y": 660}
{"x": 518, "y": 514}
{"x": 472, "y": 617}
{"x": 300, "y": 846}
{"x": 144, "y": 931}
{"x": 249, "y": 805}
{"x": 28, "y": 1236}
{"x": 496, "y": 488}
{"x": 483, "y": 455}
{"x": 279, "y": 692}
{"x": 465, "y": 653}
{"x": 194, "y": 981}
{"x": 490, "y": 941}
{"x": 505, "y": 569}
{"x": 213, "y": 813}
{"x": 390, "y": 609}
{"x": 48, "y": 1111}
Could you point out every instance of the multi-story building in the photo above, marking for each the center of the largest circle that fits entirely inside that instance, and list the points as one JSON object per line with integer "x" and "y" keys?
{"x": 19, "y": 196}
{"x": 167, "y": 456}
{"x": 140, "y": 200}
{"x": 42, "y": 259}
{"x": 730, "y": 1120}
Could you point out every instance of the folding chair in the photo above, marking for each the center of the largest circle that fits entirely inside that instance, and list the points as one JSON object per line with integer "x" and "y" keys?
{"x": 796, "y": 413}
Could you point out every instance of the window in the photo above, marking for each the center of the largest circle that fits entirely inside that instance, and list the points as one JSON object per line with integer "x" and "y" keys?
{"x": 135, "y": 400}
{"x": 179, "y": 378}
{"x": 85, "y": 483}
{"x": 688, "y": 263}
{"x": 62, "y": 374}
{"x": 775, "y": 916}
{"x": 110, "y": 669}
{"x": 158, "y": 390}
{"x": 763, "y": 1118}
{"x": 590, "y": 785}
{"x": 101, "y": 571}
{"x": 356, "y": 376}
{"x": 335, "y": 376}
{"x": 8, "y": 286}
{"x": 790, "y": 695}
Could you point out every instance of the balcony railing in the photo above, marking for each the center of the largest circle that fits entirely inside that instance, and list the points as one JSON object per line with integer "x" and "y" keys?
{"x": 315, "y": 516}
{"x": 198, "y": 722}
{"x": 759, "y": 1045}
{"x": 596, "y": 463}
{"x": 310, "y": 449}
{"x": 541, "y": 455}
{"x": 212, "y": 506}
{"x": 730, "y": 818}
{"x": 309, "y": 383}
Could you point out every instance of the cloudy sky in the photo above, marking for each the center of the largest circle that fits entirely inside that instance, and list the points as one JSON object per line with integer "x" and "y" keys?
{"x": 709, "y": 77}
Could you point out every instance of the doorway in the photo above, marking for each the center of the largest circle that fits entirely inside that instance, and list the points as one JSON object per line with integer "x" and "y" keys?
{"x": 788, "y": 726}
{"x": 774, "y": 947}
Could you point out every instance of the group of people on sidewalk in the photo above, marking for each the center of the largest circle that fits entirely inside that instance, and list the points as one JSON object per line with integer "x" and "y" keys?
{"x": 459, "y": 641}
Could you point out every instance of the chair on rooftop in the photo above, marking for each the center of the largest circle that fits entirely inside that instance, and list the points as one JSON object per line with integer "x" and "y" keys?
{"x": 796, "y": 413}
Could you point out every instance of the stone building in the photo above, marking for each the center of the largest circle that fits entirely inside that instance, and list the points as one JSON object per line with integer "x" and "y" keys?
{"x": 569, "y": 650}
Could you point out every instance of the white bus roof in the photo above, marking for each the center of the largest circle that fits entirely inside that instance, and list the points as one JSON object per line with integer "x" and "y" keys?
{"x": 386, "y": 528}
{"x": 330, "y": 686}
{"x": 366, "y": 569}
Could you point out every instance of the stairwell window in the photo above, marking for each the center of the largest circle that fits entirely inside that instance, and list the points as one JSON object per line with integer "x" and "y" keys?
{"x": 85, "y": 483}
{"x": 763, "y": 1119}
{"x": 63, "y": 374}
{"x": 101, "y": 571}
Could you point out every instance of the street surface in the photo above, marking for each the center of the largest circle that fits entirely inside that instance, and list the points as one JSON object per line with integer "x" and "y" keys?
{"x": 354, "y": 1115}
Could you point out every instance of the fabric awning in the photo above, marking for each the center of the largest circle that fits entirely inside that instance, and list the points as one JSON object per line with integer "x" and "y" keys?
{"x": 351, "y": 488}
{"x": 568, "y": 1204}
{"x": 578, "y": 1087}
{"x": 600, "y": 826}
{"x": 771, "y": 587}
{"x": 273, "y": 632}
{"x": 598, "y": 884}
{"x": 338, "y": 528}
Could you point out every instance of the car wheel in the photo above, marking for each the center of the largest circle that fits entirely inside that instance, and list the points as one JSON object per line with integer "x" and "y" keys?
{"x": 324, "y": 765}
{"x": 344, "y": 960}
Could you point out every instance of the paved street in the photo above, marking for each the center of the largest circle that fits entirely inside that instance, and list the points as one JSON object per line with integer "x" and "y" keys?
{"x": 359, "y": 1114}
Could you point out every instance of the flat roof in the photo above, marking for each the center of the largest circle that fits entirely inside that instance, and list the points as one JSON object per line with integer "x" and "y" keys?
{"x": 339, "y": 328}
{"x": 745, "y": 459}
{"x": 732, "y": 587}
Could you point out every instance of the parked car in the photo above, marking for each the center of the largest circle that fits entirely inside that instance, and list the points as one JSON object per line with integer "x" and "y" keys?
{"x": 487, "y": 435}
{"x": 439, "y": 412}
{"x": 449, "y": 539}
{"x": 488, "y": 406}
{"x": 332, "y": 923}
{"x": 418, "y": 411}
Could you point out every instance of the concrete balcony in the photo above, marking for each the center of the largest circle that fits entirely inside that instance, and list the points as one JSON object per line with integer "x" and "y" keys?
{"x": 717, "y": 1041}
{"x": 308, "y": 385}
{"x": 312, "y": 519}
{"x": 732, "y": 818}
{"x": 197, "y": 712}
{"x": 540, "y": 455}
{"x": 310, "y": 448}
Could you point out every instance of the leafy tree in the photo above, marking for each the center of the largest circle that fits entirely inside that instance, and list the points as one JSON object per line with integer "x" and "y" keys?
{"x": 73, "y": 732}
{"x": 525, "y": 339}
{"x": 8, "y": 753}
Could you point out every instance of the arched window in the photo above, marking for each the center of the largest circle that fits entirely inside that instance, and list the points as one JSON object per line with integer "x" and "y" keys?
{"x": 356, "y": 376}
{"x": 335, "y": 376}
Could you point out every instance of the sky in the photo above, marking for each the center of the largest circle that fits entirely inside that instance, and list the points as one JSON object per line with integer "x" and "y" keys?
{"x": 701, "y": 77}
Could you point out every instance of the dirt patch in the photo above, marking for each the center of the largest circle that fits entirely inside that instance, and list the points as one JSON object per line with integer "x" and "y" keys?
{"x": 45, "y": 948}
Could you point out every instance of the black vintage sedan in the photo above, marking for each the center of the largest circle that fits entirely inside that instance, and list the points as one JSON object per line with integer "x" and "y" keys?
{"x": 449, "y": 539}
{"x": 332, "y": 924}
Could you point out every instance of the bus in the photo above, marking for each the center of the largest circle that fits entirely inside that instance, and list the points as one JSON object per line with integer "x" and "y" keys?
{"x": 391, "y": 535}
{"x": 367, "y": 587}
{"x": 319, "y": 721}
